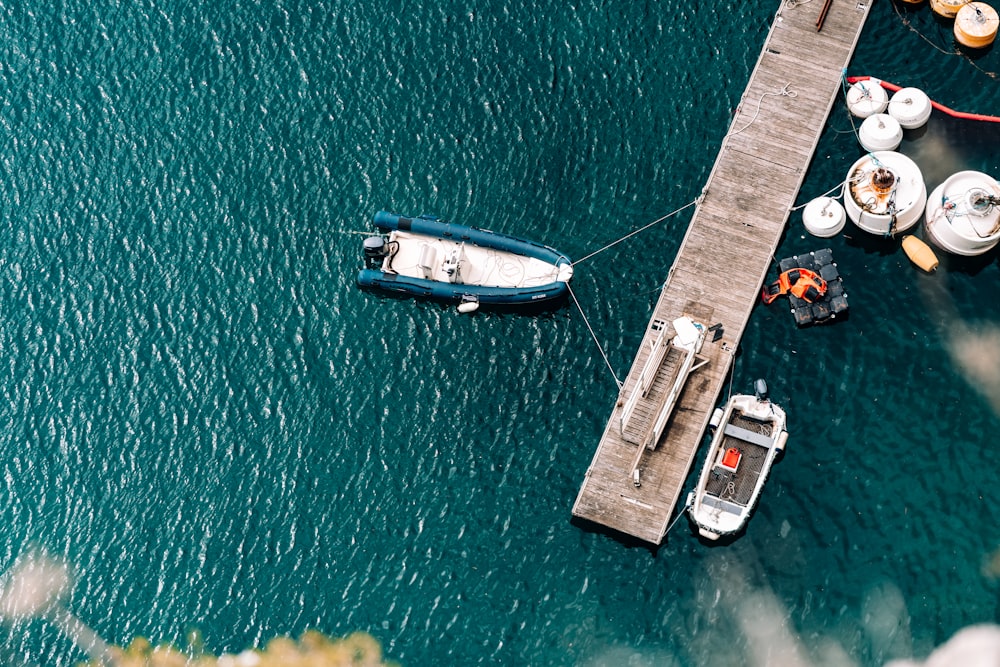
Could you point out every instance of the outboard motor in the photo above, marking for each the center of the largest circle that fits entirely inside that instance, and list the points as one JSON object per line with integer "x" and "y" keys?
{"x": 376, "y": 250}
{"x": 760, "y": 389}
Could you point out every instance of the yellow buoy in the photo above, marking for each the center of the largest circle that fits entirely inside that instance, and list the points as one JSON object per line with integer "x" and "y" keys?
{"x": 920, "y": 253}
{"x": 976, "y": 25}
{"x": 947, "y": 8}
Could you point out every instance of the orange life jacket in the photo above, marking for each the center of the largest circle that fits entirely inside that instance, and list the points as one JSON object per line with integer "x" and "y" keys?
{"x": 803, "y": 283}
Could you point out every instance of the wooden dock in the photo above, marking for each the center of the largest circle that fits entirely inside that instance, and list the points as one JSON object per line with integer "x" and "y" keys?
{"x": 737, "y": 225}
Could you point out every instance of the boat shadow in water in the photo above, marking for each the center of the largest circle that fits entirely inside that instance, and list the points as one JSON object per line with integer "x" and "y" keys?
{"x": 547, "y": 307}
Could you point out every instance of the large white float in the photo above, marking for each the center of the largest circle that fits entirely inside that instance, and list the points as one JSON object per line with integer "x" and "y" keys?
{"x": 885, "y": 193}
{"x": 963, "y": 214}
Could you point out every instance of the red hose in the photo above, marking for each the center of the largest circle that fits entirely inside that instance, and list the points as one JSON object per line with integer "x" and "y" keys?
{"x": 940, "y": 107}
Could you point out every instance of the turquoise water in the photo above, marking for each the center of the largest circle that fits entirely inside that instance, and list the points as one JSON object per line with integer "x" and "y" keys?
{"x": 218, "y": 431}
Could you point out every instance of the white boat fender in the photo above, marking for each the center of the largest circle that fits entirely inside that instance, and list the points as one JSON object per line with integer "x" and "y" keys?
{"x": 716, "y": 418}
{"x": 779, "y": 446}
{"x": 470, "y": 304}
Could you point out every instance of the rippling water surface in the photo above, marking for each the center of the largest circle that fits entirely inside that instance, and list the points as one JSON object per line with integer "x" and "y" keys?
{"x": 219, "y": 431}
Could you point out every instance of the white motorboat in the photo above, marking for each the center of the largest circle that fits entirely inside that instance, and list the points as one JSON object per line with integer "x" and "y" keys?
{"x": 426, "y": 257}
{"x": 750, "y": 433}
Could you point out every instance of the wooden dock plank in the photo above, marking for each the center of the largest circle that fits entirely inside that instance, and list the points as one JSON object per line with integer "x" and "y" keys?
{"x": 737, "y": 225}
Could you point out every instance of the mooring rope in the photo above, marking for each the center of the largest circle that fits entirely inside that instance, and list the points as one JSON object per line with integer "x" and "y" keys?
{"x": 594, "y": 336}
{"x": 839, "y": 186}
{"x": 784, "y": 92}
{"x": 677, "y": 518}
{"x": 954, "y": 52}
{"x": 842, "y": 186}
{"x": 600, "y": 250}
{"x": 845, "y": 88}
{"x": 641, "y": 229}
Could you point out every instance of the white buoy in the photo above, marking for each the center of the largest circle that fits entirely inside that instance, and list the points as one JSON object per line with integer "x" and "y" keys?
{"x": 963, "y": 214}
{"x": 947, "y": 8}
{"x": 824, "y": 217}
{"x": 880, "y": 132}
{"x": 885, "y": 193}
{"x": 911, "y": 107}
{"x": 865, "y": 98}
{"x": 976, "y": 25}
{"x": 468, "y": 307}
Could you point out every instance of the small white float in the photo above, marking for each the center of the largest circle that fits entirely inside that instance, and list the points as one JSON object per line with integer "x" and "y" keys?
{"x": 963, "y": 214}
{"x": 885, "y": 193}
{"x": 911, "y": 107}
{"x": 865, "y": 98}
{"x": 880, "y": 132}
{"x": 824, "y": 217}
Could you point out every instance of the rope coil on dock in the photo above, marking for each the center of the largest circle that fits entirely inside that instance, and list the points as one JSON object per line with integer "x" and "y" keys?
{"x": 784, "y": 92}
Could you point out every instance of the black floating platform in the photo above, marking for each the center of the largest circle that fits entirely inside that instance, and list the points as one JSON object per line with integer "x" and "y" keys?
{"x": 831, "y": 305}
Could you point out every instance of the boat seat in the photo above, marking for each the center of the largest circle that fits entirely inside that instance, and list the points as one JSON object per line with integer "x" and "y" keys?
{"x": 428, "y": 260}
{"x": 720, "y": 504}
{"x": 748, "y": 436}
